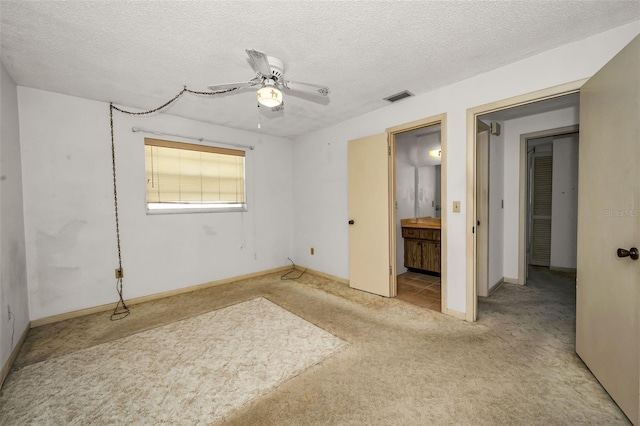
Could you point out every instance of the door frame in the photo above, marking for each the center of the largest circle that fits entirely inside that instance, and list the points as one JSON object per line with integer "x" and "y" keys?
{"x": 482, "y": 214}
{"x": 392, "y": 132}
{"x": 523, "y": 222}
{"x": 472, "y": 115}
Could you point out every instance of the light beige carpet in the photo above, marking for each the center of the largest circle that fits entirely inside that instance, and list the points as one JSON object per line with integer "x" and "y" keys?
{"x": 404, "y": 365}
{"x": 193, "y": 371}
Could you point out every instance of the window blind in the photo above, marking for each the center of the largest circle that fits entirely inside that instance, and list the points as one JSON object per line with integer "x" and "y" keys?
{"x": 182, "y": 173}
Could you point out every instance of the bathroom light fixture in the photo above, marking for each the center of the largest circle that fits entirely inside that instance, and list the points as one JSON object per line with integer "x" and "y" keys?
{"x": 435, "y": 153}
{"x": 269, "y": 95}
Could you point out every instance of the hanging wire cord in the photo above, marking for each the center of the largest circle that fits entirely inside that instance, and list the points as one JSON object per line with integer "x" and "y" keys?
{"x": 293, "y": 268}
{"x": 121, "y": 310}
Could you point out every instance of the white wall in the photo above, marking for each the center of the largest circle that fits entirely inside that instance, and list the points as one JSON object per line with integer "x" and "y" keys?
{"x": 405, "y": 196}
{"x": 564, "y": 203}
{"x": 496, "y": 212}
{"x": 69, "y": 217}
{"x": 13, "y": 272}
{"x": 512, "y": 130}
{"x": 320, "y": 159}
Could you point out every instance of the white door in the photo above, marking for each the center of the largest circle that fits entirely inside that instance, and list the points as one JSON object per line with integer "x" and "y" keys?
{"x": 608, "y": 286}
{"x": 369, "y": 243}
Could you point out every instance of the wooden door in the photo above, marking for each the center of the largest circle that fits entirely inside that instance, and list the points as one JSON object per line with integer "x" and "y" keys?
{"x": 608, "y": 286}
{"x": 412, "y": 253}
{"x": 431, "y": 256}
{"x": 369, "y": 241}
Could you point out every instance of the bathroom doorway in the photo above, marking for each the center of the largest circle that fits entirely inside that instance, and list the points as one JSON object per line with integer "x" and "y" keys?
{"x": 418, "y": 216}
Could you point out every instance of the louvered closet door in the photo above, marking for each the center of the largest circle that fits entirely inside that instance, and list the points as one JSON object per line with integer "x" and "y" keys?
{"x": 541, "y": 209}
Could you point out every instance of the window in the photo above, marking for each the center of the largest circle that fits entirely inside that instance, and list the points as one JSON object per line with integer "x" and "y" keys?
{"x": 185, "y": 177}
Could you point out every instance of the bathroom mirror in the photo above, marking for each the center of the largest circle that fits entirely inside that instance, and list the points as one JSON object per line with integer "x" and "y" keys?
{"x": 418, "y": 173}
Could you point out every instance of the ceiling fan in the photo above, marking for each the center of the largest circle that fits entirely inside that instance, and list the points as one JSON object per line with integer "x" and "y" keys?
{"x": 270, "y": 80}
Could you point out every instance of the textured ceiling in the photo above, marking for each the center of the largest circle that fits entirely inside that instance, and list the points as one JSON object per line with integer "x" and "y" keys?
{"x": 140, "y": 54}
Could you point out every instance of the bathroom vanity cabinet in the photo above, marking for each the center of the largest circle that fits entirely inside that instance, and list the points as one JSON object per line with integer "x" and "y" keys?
{"x": 421, "y": 245}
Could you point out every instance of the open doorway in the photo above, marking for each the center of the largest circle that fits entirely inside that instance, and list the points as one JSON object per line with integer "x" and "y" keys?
{"x": 549, "y": 199}
{"x": 373, "y": 234}
{"x": 418, "y": 205}
{"x": 532, "y": 202}
{"x": 372, "y": 212}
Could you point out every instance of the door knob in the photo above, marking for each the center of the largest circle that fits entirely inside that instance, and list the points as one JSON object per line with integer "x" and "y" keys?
{"x": 351, "y": 222}
{"x": 632, "y": 253}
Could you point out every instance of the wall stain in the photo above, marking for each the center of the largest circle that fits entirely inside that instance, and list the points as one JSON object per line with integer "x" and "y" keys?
{"x": 209, "y": 230}
{"x": 55, "y": 259}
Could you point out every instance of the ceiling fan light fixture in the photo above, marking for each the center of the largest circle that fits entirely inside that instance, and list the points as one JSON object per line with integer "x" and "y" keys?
{"x": 270, "y": 78}
{"x": 269, "y": 96}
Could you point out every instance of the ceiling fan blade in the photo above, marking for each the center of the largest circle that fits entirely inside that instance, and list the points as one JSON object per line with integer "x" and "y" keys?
{"x": 260, "y": 62}
{"x": 249, "y": 83}
{"x": 312, "y": 89}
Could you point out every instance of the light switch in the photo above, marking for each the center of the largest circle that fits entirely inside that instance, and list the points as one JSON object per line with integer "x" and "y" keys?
{"x": 456, "y": 206}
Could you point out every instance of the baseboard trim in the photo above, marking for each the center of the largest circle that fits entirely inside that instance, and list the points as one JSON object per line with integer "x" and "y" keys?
{"x": 495, "y": 287}
{"x": 454, "y": 314}
{"x": 561, "y": 269}
{"x": 511, "y": 280}
{"x": 14, "y": 354}
{"x": 323, "y": 275}
{"x": 130, "y": 302}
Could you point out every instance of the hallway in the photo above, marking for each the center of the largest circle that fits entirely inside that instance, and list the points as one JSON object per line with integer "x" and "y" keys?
{"x": 545, "y": 308}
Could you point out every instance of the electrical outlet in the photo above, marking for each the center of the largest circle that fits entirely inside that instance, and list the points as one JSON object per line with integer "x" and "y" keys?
{"x": 313, "y": 251}
{"x": 119, "y": 273}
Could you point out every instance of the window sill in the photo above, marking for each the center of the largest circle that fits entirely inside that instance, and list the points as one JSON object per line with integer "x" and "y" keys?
{"x": 190, "y": 208}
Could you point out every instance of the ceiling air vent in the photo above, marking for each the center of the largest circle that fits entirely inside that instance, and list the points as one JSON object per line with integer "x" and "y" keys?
{"x": 398, "y": 96}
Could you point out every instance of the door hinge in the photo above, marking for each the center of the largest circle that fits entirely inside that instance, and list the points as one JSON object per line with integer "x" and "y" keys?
{"x": 473, "y": 229}
{"x": 390, "y": 270}
{"x": 478, "y": 223}
{"x": 389, "y": 150}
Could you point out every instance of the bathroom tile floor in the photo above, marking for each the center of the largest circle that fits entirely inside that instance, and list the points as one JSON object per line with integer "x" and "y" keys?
{"x": 420, "y": 289}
